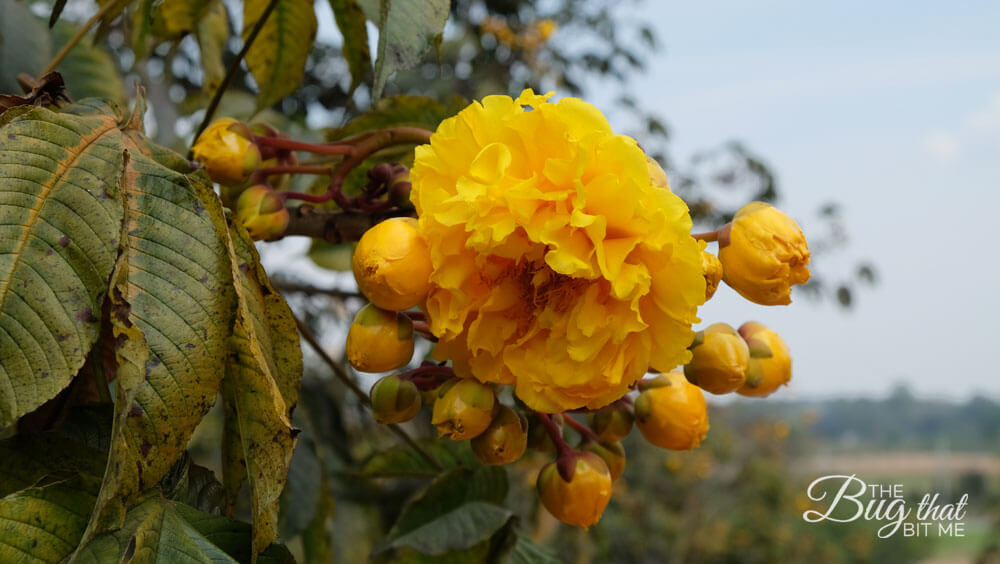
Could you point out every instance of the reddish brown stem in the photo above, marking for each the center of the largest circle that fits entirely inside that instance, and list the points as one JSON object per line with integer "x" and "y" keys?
{"x": 584, "y": 431}
{"x": 415, "y": 315}
{"x": 565, "y": 455}
{"x": 368, "y": 146}
{"x": 424, "y": 330}
{"x": 707, "y": 236}
{"x": 293, "y": 169}
{"x": 429, "y": 376}
{"x": 292, "y": 145}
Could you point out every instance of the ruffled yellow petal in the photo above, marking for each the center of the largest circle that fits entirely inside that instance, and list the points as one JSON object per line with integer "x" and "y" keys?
{"x": 560, "y": 265}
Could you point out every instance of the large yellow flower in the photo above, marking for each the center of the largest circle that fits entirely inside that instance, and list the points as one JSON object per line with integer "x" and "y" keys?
{"x": 558, "y": 265}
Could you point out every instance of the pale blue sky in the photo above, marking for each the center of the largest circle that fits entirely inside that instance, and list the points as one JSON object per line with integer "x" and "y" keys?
{"x": 890, "y": 108}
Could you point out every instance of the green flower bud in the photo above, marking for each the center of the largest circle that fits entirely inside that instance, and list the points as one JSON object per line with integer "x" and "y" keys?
{"x": 395, "y": 400}
{"x": 504, "y": 441}
{"x": 612, "y": 423}
{"x": 262, "y": 212}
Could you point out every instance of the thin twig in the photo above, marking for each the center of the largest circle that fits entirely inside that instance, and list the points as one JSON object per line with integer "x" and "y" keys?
{"x": 287, "y": 286}
{"x": 344, "y": 377}
{"x": 233, "y": 67}
{"x": 582, "y": 429}
{"x": 80, "y": 33}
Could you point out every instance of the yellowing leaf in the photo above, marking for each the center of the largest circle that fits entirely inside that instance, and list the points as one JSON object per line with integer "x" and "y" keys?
{"x": 262, "y": 378}
{"x": 43, "y": 524}
{"x": 159, "y": 530}
{"x": 277, "y": 58}
{"x": 60, "y": 222}
{"x": 173, "y": 18}
{"x": 212, "y": 31}
{"x": 172, "y": 311}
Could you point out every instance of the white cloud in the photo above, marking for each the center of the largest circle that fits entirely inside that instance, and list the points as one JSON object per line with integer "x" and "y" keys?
{"x": 942, "y": 146}
{"x": 988, "y": 117}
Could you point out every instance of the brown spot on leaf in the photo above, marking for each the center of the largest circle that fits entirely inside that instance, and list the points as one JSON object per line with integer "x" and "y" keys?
{"x": 144, "y": 448}
{"x": 86, "y": 315}
{"x": 64, "y": 241}
{"x": 135, "y": 410}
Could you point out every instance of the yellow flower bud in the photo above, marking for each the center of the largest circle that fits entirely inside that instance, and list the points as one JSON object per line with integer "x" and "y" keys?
{"x": 672, "y": 413}
{"x": 766, "y": 254}
{"x": 720, "y": 359}
{"x": 465, "y": 410}
{"x": 612, "y": 423}
{"x": 712, "y": 267}
{"x": 226, "y": 153}
{"x": 392, "y": 264}
{"x": 504, "y": 441}
{"x": 395, "y": 400}
{"x": 581, "y": 500}
{"x": 612, "y": 453}
{"x": 379, "y": 340}
{"x": 262, "y": 212}
{"x": 767, "y": 373}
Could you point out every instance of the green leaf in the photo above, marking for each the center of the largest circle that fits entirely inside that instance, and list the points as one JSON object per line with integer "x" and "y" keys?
{"x": 332, "y": 256}
{"x": 43, "y": 524}
{"x": 159, "y": 530}
{"x": 299, "y": 501}
{"x": 60, "y": 223}
{"x": 260, "y": 390}
{"x": 48, "y": 482}
{"x": 462, "y": 528}
{"x": 78, "y": 446}
{"x": 526, "y": 551}
{"x": 88, "y": 70}
{"x": 450, "y": 491}
{"x": 316, "y": 542}
{"x": 212, "y": 32}
{"x": 406, "y": 29}
{"x": 234, "y": 537}
{"x": 24, "y": 45}
{"x": 401, "y": 461}
{"x": 172, "y": 303}
{"x": 277, "y": 58}
{"x": 351, "y": 22}
{"x": 26, "y": 459}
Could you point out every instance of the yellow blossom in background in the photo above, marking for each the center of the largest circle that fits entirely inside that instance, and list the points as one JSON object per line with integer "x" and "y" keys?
{"x": 546, "y": 28}
{"x": 765, "y": 256}
{"x": 557, "y": 265}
